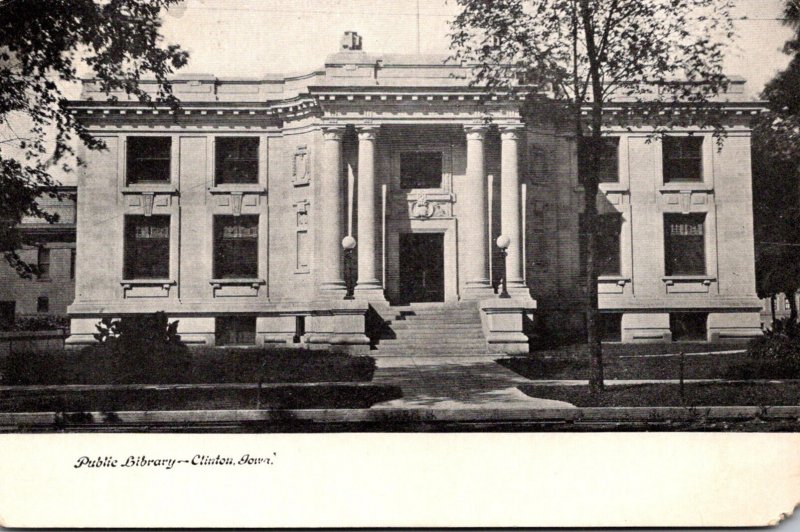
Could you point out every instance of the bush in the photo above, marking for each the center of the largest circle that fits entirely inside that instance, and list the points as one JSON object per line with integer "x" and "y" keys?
{"x": 777, "y": 353}
{"x": 98, "y": 364}
{"x": 36, "y": 322}
{"x": 143, "y": 348}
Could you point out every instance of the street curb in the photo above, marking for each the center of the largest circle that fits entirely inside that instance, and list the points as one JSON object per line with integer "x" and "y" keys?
{"x": 153, "y": 420}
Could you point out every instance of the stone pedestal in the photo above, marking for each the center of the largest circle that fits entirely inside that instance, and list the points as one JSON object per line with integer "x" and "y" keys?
{"x": 646, "y": 327}
{"x": 503, "y": 324}
{"x": 339, "y": 326}
{"x": 733, "y": 325}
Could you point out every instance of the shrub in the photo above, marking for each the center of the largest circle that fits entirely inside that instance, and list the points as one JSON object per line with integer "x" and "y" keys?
{"x": 142, "y": 348}
{"x": 35, "y": 322}
{"x": 777, "y": 353}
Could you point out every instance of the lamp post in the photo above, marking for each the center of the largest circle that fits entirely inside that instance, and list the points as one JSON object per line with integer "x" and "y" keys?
{"x": 349, "y": 244}
{"x": 503, "y": 242}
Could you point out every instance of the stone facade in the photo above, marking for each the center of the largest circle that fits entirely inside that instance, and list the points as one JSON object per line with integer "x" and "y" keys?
{"x": 379, "y": 147}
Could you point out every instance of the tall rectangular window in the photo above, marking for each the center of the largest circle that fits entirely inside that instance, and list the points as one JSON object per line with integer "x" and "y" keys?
{"x": 607, "y": 256}
{"x": 43, "y": 304}
{"x": 146, "y": 248}
{"x": 684, "y": 244}
{"x": 43, "y": 262}
{"x": 421, "y": 169}
{"x": 236, "y": 160}
{"x": 683, "y": 159}
{"x": 607, "y": 159}
{"x": 148, "y": 159}
{"x": 235, "y": 247}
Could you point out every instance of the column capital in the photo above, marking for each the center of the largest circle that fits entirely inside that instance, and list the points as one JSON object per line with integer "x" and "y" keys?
{"x": 333, "y": 131}
{"x": 511, "y": 131}
{"x": 476, "y": 131}
{"x": 368, "y": 131}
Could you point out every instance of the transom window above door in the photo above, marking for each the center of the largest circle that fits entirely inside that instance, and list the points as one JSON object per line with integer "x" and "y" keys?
{"x": 420, "y": 169}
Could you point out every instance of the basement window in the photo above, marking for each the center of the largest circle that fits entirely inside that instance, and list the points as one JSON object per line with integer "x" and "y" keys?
{"x": 235, "y": 330}
{"x": 610, "y": 326}
{"x": 688, "y": 326}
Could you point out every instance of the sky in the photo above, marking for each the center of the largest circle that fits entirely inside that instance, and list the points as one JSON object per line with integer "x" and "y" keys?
{"x": 249, "y": 38}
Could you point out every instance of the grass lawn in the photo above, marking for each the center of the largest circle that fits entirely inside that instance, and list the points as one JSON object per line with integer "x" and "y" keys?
{"x": 696, "y": 394}
{"x": 94, "y": 365}
{"x": 634, "y": 361}
{"x": 327, "y": 395}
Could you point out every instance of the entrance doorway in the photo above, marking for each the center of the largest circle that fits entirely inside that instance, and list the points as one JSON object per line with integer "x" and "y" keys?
{"x": 421, "y": 267}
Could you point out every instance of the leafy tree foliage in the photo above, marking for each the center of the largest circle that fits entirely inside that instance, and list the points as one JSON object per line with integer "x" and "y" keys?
{"x": 43, "y": 46}
{"x": 662, "y": 57}
{"x": 776, "y": 176}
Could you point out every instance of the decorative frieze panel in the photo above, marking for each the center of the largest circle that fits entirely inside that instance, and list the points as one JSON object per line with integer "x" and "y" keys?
{"x": 147, "y": 201}
{"x": 686, "y": 200}
{"x": 425, "y": 205}
{"x": 302, "y": 244}
{"x": 301, "y": 166}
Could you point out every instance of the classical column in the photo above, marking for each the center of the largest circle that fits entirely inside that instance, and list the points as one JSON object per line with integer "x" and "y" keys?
{"x": 510, "y": 205}
{"x": 472, "y": 216}
{"x": 368, "y": 286}
{"x": 329, "y": 214}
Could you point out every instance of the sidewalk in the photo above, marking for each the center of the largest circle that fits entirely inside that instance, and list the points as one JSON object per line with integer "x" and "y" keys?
{"x": 459, "y": 382}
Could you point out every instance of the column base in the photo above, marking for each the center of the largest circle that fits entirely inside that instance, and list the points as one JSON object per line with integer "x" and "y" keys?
{"x": 369, "y": 292}
{"x": 480, "y": 289}
{"x": 332, "y": 290}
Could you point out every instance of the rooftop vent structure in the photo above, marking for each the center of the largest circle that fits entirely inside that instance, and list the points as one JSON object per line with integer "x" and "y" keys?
{"x": 351, "y": 41}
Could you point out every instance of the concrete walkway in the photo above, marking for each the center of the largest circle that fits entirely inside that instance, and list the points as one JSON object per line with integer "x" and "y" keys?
{"x": 458, "y": 382}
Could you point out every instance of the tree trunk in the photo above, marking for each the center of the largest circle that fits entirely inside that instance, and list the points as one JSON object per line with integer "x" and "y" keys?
{"x": 596, "y": 381}
{"x": 792, "y": 306}
{"x": 772, "y": 308}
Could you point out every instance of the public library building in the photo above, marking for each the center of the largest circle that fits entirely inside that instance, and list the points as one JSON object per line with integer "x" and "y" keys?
{"x": 300, "y": 210}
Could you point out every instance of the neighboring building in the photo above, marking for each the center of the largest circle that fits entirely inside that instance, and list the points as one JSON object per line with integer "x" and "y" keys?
{"x": 229, "y": 214}
{"x": 50, "y": 292}
{"x": 782, "y": 309}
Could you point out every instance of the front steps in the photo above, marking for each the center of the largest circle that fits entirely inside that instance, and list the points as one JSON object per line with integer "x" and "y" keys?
{"x": 432, "y": 330}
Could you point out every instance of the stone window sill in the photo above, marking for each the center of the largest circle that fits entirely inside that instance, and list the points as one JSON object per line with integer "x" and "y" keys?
{"x": 132, "y": 283}
{"x": 249, "y": 188}
{"x": 616, "y": 279}
{"x": 686, "y": 186}
{"x": 254, "y": 283}
{"x": 614, "y": 188}
{"x": 152, "y": 188}
{"x": 704, "y": 279}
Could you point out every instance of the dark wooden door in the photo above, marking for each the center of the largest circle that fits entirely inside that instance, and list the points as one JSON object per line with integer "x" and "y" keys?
{"x": 421, "y": 267}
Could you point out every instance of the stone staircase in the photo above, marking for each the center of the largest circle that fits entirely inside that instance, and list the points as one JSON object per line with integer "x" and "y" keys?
{"x": 432, "y": 330}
